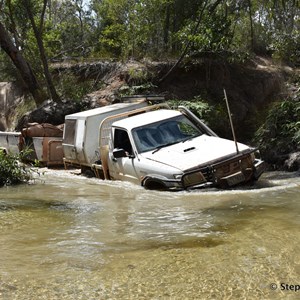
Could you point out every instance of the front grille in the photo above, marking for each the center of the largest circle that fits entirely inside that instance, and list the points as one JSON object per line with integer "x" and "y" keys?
{"x": 215, "y": 171}
{"x": 208, "y": 174}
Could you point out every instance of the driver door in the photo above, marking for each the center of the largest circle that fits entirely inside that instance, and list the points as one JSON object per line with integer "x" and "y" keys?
{"x": 123, "y": 168}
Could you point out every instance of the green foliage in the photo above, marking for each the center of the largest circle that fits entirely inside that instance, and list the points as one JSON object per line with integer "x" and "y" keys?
{"x": 198, "y": 106}
{"x": 280, "y": 133}
{"x": 286, "y": 47}
{"x": 25, "y": 106}
{"x": 138, "y": 75}
{"x": 70, "y": 87}
{"x": 11, "y": 170}
{"x": 213, "y": 34}
{"x": 113, "y": 39}
{"x": 122, "y": 29}
{"x": 213, "y": 115}
{"x": 8, "y": 72}
{"x": 142, "y": 89}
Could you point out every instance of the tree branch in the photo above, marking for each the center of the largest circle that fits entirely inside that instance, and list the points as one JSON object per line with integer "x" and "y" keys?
{"x": 187, "y": 46}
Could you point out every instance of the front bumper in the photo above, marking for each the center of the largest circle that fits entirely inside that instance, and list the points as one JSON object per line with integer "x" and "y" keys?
{"x": 227, "y": 173}
{"x": 260, "y": 167}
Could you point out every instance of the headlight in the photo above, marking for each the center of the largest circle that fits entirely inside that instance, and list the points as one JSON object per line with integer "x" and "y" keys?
{"x": 177, "y": 176}
{"x": 246, "y": 162}
{"x": 193, "y": 179}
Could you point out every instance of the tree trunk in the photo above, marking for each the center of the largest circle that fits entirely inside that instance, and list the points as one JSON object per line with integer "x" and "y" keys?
{"x": 167, "y": 27}
{"x": 38, "y": 36}
{"x": 251, "y": 26}
{"x": 186, "y": 48}
{"x": 22, "y": 66}
{"x": 211, "y": 9}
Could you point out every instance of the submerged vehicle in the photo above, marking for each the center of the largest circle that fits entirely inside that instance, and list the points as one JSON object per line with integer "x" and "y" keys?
{"x": 157, "y": 148}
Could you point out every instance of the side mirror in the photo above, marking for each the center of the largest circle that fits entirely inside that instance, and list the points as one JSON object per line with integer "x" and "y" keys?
{"x": 118, "y": 153}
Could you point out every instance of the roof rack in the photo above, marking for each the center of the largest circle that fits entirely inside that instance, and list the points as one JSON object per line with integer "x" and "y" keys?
{"x": 154, "y": 99}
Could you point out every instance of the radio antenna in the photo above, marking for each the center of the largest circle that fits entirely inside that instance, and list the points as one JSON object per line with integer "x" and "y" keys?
{"x": 231, "y": 124}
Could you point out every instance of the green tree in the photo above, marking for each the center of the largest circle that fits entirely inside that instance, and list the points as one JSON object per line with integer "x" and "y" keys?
{"x": 44, "y": 34}
{"x": 38, "y": 32}
{"x": 14, "y": 46}
{"x": 280, "y": 134}
{"x": 273, "y": 27}
{"x": 61, "y": 29}
{"x": 11, "y": 170}
{"x": 71, "y": 30}
{"x": 22, "y": 65}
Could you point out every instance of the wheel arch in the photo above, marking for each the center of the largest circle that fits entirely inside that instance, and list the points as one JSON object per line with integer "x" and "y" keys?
{"x": 152, "y": 182}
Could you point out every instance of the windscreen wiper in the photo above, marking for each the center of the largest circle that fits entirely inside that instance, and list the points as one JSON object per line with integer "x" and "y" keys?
{"x": 191, "y": 137}
{"x": 163, "y": 146}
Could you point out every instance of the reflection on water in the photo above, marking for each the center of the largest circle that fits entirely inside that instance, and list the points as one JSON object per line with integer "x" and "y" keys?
{"x": 78, "y": 238}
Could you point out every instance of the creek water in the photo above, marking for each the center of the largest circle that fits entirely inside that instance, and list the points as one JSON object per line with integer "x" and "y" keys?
{"x": 71, "y": 237}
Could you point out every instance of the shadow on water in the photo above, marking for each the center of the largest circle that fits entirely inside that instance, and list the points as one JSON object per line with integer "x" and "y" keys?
{"x": 237, "y": 217}
{"x": 278, "y": 175}
{"x": 227, "y": 222}
{"x": 5, "y": 207}
{"x": 204, "y": 242}
{"x": 36, "y": 205}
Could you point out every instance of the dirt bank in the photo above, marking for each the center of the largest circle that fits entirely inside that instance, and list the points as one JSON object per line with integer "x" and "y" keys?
{"x": 250, "y": 88}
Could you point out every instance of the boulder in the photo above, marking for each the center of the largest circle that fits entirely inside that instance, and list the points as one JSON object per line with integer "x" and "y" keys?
{"x": 42, "y": 130}
{"x": 49, "y": 112}
{"x": 293, "y": 162}
{"x": 11, "y": 95}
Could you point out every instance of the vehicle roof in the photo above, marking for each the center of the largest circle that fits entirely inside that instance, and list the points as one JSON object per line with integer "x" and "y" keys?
{"x": 146, "y": 118}
{"x": 102, "y": 110}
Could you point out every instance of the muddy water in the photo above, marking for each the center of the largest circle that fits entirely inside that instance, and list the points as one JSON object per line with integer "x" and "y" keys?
{"x": 69, "y": 237}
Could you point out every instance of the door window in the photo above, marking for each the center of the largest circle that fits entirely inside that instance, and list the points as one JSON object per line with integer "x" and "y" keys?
{"x": 122, "y": 141}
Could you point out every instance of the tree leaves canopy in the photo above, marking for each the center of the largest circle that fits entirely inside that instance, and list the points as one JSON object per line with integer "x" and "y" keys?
{"x": 155, "y": 29}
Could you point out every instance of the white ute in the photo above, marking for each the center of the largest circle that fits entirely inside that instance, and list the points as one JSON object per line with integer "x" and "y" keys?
{"x": 165, "y": 149}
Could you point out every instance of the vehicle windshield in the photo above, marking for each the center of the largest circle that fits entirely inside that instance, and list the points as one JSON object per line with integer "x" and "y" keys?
{"x": 166, "y": 132}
